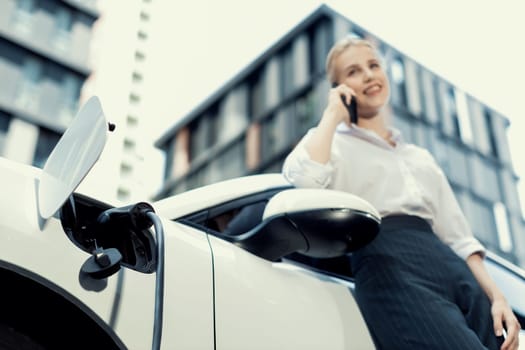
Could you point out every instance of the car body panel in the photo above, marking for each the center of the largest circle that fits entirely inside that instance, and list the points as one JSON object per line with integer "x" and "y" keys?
{"x": 188, "y": 305}
{"x": 216, "y": 294}
{"x": 265, "y": 305}
{"x": 42, "y": 248}
{"x": 191, "y": 201}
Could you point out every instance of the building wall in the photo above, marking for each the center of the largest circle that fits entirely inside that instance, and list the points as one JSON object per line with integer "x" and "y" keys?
{"x": 285, "y": 93}
{"x": 44, "y": 49}
{"x": 129, "y": 169}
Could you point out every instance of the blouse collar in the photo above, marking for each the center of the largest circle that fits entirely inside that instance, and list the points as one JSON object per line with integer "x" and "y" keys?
{"x": 372, "y": 136}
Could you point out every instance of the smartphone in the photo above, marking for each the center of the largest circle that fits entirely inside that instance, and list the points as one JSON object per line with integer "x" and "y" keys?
{"x": 352, "y": 107}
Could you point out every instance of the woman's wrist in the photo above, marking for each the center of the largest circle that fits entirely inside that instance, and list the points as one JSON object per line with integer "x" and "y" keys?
{"x": 497, "y": 296}
{"x": 330, "y": 117}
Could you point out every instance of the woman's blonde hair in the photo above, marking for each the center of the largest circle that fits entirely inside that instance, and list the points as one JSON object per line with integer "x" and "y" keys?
{"x": 339, "y": 47}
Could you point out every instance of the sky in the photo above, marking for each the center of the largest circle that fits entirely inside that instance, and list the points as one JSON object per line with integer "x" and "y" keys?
{"x": 475, "y": 44}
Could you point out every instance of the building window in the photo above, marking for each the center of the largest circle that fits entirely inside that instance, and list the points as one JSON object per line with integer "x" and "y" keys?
{"x": 452, "y": 111}
{"x": 47, "y": 140}
{"x": 212, "y": 119}
{"x": 356, "y": 33}
{"x": 63, "y": 26}
{"x": 304, "y": 117}
{"x": 483, "y": 222}
{"x": 491, "y": 134}
{"x": 134, "y": 99}
{"x": 256, "y": 96}
{"x": 286, "y": 76}
{"x": 404, "y": 125}
{"x": 464, "y": 124}
{"x": 5, "y": 120}
{"x": 126, "y": 170}
{"x": 398, "y": 78}
{"x": 276, "y": 133}
{"x": 459, "y": 171}
{"x": 136, "y": 78}
{"x": 132, "y": 121}
{"x": 23, "y": 16}
{"x": 230, "y": 164}
{"x": 142, "y": 35}
{"x": 504, "y": 237}
{"x": 321, "y": 39}
{"x": 484, "y": 181}
{"x": 429, "y": 96}
{"x": 197, "y": 138}
{"x": 28, "y": 93}
{"x": 269, "y": 138}
{"x": 144, "y": 16}
{"x": 139, "y": 56}
{"x": 71, "y": 86}
{"x": 123, "y": 194}
{"x": 129, "y": 145}
{"x": 253, "y": 146}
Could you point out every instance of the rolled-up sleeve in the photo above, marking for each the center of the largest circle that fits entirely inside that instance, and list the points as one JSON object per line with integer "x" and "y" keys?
{"x": 301, "y": 171}
{"x": 452, "y": 226}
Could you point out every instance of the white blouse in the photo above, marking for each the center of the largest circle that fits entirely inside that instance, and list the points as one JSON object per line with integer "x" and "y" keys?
{"x": 400, "y": 179}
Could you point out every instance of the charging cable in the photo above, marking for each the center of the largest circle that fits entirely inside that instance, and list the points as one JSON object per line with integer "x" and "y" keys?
{"x": 141, "y": 216}
{"x": 159, "y": 280}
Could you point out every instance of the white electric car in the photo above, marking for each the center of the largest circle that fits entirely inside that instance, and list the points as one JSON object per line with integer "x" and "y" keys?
{"x": 248, "y": 263}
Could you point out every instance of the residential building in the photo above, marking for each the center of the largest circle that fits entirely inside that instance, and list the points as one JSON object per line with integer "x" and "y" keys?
{"x": 44, "y": 62}
{"x": 120, "y": 58}
{"x": 252, "y": 122}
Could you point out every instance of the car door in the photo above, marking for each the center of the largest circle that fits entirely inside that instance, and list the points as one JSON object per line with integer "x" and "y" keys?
{"x": 260, "y": 304}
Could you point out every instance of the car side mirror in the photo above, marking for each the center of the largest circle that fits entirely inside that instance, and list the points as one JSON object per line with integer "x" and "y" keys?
{"x": 318, "y": 223}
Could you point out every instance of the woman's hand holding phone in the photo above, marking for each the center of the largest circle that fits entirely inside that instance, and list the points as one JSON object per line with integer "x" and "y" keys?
{"x": 345, "y": 94}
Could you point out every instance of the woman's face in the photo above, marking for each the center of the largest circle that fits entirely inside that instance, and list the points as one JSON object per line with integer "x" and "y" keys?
{"x": 359, "y": 68}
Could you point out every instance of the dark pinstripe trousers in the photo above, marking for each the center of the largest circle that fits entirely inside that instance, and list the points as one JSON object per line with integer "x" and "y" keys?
{"x": 416, "y": 293}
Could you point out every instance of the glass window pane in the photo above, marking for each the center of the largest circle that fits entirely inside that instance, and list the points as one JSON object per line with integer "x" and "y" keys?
{"x": 450, "y": 116}
{"x": 304, "y": 116}
{"x": 22, "y": 19}
{"x": 463, "y": 115}
{"x": 320, "y": 43}
{"x": 484, "y": 181}
{"x": 256, "y": 95}
{"x": 47, "y": 140}
{"x": 5, "y": 120}
{"x": 403, "y": 124}
{"x": 458, "y": 171}
{"x": 198, "y": 134}
{"x": 63, "y": 26}
{"x": 28, "y": 92}
{"x": 500, "y": 214}
{"x": 286, "y": 76}
{"x": 231, "y": 162}
{"x": 483, "y": 223}
{"x": 492, "y": 135}
{"x": 398, "y": 79}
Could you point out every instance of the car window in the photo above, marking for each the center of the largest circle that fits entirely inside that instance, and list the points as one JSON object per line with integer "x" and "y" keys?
{"x": 232, "y": 217}
{"x": 237, "y": 220}
{"x": 243, "y": 214}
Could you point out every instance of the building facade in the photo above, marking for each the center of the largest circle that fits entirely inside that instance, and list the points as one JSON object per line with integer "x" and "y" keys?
{"x": 44, "y": 61}
{"x": 251, "y": 124}
{"x": 120, "y": 58}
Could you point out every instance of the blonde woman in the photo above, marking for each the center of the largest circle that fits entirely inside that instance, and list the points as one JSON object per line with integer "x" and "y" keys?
{"x": 421, "y": 284}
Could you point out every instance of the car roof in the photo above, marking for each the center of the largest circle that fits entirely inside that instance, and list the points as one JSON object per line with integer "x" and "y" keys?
{"x": 207, "y": 196}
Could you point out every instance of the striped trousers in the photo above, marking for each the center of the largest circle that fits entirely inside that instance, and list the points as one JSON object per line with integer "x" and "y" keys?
{"x": 416, "y": 293}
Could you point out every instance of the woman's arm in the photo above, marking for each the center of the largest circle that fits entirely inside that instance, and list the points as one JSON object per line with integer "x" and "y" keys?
{"x": 501, "y": 312}
{"x": 320, "y": 143}
{"x": 308, "y": 165}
